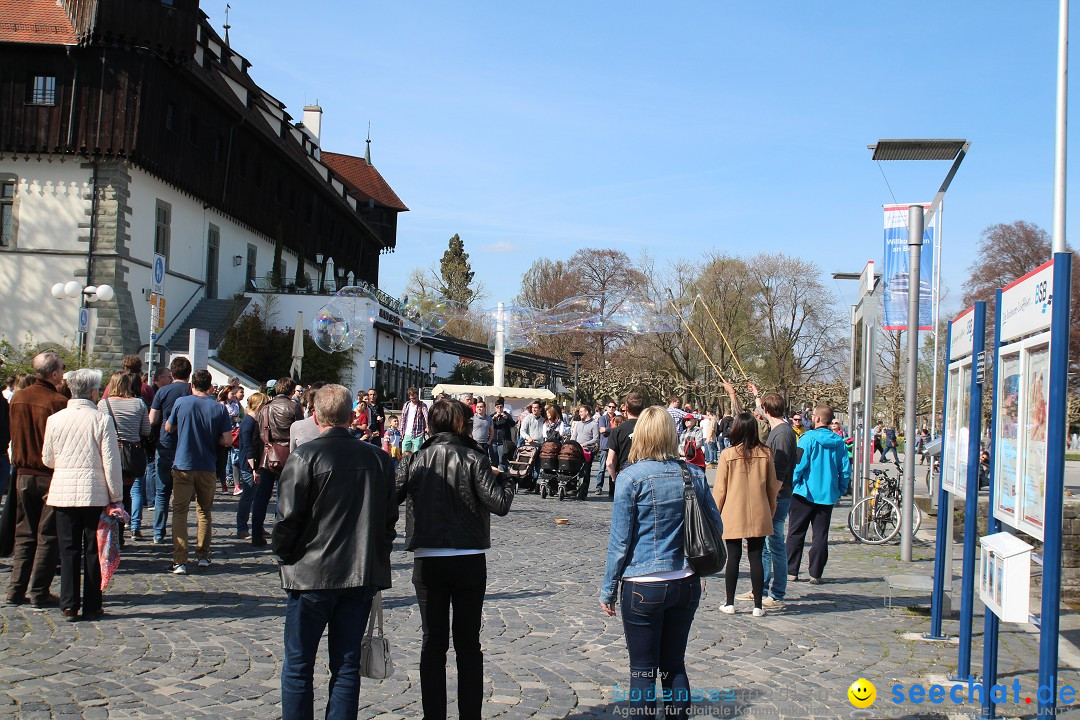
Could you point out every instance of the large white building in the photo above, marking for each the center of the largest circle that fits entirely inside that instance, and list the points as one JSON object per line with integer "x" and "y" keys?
{"x": 131, "y": 128}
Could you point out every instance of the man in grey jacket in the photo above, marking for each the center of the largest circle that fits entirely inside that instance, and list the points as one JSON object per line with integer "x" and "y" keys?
{"x": 335, "y": 523}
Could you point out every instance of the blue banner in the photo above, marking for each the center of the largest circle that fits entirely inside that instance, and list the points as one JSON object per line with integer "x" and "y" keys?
{"x": 895, "y": 280}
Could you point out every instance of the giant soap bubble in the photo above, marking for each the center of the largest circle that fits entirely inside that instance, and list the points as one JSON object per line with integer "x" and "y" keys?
{"x": 521, "y": 326}
{"x": 424, "y": 315}
{"x": 340, "y": 324}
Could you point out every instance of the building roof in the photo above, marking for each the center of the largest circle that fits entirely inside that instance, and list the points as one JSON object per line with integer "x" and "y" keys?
{"x": 364, "y": 180}
{"x": 35, "y": 21}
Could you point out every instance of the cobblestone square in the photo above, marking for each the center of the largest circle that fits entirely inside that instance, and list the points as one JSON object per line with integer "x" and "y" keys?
{"x": 209, "y": 645}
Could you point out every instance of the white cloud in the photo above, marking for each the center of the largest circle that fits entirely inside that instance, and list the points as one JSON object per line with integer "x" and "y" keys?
{"x": 500, "y": 248}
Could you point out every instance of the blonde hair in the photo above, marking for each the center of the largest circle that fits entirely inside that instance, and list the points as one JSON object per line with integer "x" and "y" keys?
{"x": 256, "y": 401}
{"x": 654, "y": 436}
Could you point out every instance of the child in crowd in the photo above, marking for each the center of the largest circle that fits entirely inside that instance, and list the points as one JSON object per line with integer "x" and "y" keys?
{"x": 392, "y": 441}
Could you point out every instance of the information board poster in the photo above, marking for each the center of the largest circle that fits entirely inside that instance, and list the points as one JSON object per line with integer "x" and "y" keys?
{"x": 1033, "y": 488}
{"x": 948, "y": 462}
{"x": 1007, "y": 446}
{"x": 962, "y": 412}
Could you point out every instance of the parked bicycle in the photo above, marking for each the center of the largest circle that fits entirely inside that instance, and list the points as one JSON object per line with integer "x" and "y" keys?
{"x": 876, "y": 518}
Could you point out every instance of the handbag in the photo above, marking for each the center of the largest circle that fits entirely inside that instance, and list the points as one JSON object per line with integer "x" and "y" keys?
{"x": 703, "y": 543}
{"x": 132, "y": 455}
{"x": 375, "y": 661}
{"x": 274, "y": 454}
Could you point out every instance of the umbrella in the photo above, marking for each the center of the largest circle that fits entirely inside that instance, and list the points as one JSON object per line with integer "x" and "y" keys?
{"x": 297, "y": 348}
{"x": 352, "y": 279}
{"x": 329, "y": 274}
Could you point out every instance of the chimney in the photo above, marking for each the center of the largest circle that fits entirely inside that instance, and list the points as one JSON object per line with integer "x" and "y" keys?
{"x": 313, "y": 120}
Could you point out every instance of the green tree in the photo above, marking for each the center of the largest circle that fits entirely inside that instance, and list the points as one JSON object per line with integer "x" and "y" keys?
{"x": 276, "y": 278}
{"x": 456, "y": 274}
{"x": 262, "y": 352}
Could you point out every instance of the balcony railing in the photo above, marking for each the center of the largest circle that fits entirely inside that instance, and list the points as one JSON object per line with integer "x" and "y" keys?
{"x": 264, "y": 284}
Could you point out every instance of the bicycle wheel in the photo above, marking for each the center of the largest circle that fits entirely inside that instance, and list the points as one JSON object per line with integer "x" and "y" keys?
{"x": 917, "y": 517}
{"x": 874, "y": 520}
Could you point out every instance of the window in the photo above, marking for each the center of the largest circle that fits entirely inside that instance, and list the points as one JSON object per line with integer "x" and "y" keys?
{"x": 162, "y": 233}
{"x": 170, "y": 116}
{"x": 252, "y": 256}
{"x": 7, "y": 213}
{"x": 43, "y": 90}
{"x": 168, "y": 3}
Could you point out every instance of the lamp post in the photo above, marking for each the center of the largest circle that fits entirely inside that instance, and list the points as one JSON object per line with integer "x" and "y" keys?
{"x": 954, "y": 150}
{"x": 373, "y": 363}
{"x": 577, "y": 355}
{"x": 88, "y": 294}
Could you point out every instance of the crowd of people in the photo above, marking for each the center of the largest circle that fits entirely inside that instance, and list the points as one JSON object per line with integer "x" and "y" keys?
{"x": 341, "y": 466}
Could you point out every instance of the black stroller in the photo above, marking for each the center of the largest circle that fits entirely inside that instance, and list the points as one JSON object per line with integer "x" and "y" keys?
{"x": 561, "y": 465}
{"x": 520, "y": 466}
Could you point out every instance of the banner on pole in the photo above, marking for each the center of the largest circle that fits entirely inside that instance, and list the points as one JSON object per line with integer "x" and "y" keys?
{"x": 895, "y": 278}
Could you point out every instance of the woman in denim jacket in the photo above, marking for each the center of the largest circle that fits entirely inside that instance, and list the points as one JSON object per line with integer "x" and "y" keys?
{"x": 660, "y": 591}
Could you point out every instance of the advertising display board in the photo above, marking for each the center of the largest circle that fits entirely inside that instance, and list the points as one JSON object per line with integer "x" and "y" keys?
{"x": 954, "y": 464}
{"x": 896, "y": 269}
{"x": 1021, "y": 402}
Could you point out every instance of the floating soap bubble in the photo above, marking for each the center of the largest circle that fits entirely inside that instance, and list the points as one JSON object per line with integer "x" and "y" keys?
{"x": 340, "y": 324}
{"x": 332, "y": 333}
{"x": 521, "y": 326}
{"x": 428, "y": 313}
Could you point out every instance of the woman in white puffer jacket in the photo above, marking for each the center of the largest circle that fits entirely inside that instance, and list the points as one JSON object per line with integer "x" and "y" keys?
{"x": 82, "y": 448}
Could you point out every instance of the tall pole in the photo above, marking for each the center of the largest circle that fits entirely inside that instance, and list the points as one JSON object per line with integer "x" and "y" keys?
{"x": 915, "y": 239}
{"x": 937, "y": 323}
{"x": 499, "y": 365}
{"x": 1062, "y": 117}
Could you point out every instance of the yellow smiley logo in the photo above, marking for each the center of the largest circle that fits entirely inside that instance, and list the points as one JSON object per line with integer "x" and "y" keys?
{"x": 862, "y": 693}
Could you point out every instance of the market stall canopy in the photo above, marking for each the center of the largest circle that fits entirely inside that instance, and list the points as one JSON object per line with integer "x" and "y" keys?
{"x": 490, "y": 391}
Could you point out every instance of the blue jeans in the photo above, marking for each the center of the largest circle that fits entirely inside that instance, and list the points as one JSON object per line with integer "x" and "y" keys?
{"x": 601, "y": 472}
{"x": 711, "y": 453}
{"x": 497, "y": 455}
{"x": 247, "y": 497}
{"x": 163, "y": 496}
{"x": 264, "y": 490}
{"x": 307, "y": 614}
{"x": 656, "y": 622}
{"x": 774, "y": 557}
{"x": 138, "y": 499}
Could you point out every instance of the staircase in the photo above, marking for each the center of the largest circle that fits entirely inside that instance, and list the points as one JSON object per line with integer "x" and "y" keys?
{"x": 214, "y": 316}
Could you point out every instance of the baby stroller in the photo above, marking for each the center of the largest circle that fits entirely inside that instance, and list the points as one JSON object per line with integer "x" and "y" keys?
{"x": 560, "y": 470}
{"x": 520, "y": 466}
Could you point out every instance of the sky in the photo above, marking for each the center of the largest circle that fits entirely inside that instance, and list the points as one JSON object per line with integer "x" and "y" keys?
{"x": 671, "y": 129}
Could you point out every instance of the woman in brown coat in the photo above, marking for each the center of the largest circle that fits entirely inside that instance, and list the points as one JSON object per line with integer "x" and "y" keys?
{"x": 745, "y": 491}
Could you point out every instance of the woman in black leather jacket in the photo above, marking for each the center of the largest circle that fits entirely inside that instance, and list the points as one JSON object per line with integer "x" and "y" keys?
{"x": 452, "y": 490}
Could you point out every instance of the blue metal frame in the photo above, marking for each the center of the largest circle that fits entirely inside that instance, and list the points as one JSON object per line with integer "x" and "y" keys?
{"x": 1057, "y": 418}
{"x": 971, "y": 497}
{"x": 993, "y": 525}
{"x": 937, "y": 596}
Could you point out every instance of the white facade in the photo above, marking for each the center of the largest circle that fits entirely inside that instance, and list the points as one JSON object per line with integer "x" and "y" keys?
{"x": 51, "y": 212}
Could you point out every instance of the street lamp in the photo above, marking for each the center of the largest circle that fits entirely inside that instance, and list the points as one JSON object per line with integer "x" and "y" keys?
{"x": 577, "y": 355}
{"x": 431, "y": 372}
{"x": 88, "y": 294}
{"x": 922, "y": 149}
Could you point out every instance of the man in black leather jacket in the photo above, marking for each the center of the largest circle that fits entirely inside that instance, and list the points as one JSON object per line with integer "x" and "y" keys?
{"x": 275, "y": 420}
{"x": 335, "y": 528}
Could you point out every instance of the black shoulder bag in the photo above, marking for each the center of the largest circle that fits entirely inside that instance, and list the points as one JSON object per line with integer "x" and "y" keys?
{"x": 702, "y": 542}
{"x": 132, "y": 455}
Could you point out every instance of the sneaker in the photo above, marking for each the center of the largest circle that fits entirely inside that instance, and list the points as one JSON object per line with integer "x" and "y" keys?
{"x": 180, "y": 569}
{"x": 159, "y": 541}
{"x": 816, "y": 581}
{"x": 136, "y": 535}
{"x": 237, "y": 490}
{"x": 759, "y": 612}
{"x": 748, "y": 595}
{"x": 771, "y": 602}
{"x": 793, "y": 578}
{"x": 727, "y": 609}
{"x": 204, "y": 562}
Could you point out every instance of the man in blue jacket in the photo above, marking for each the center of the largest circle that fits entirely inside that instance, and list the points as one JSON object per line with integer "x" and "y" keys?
{"x": 821, "y": 476}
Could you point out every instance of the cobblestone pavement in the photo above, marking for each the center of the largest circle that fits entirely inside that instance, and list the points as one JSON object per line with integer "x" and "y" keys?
{"x": 209, "y": 645}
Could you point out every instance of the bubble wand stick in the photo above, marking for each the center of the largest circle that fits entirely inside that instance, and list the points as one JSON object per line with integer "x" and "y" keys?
{"x": 723, "y": 336}
{"x": 671, "y": 299}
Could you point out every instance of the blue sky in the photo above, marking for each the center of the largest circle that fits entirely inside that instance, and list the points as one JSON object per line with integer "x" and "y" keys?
{"x": 535, "y": 129}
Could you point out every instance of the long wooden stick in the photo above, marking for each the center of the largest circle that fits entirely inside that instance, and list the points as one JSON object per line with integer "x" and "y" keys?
{"x": 723, "y": 337}
{"x": 704, "y": 352}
